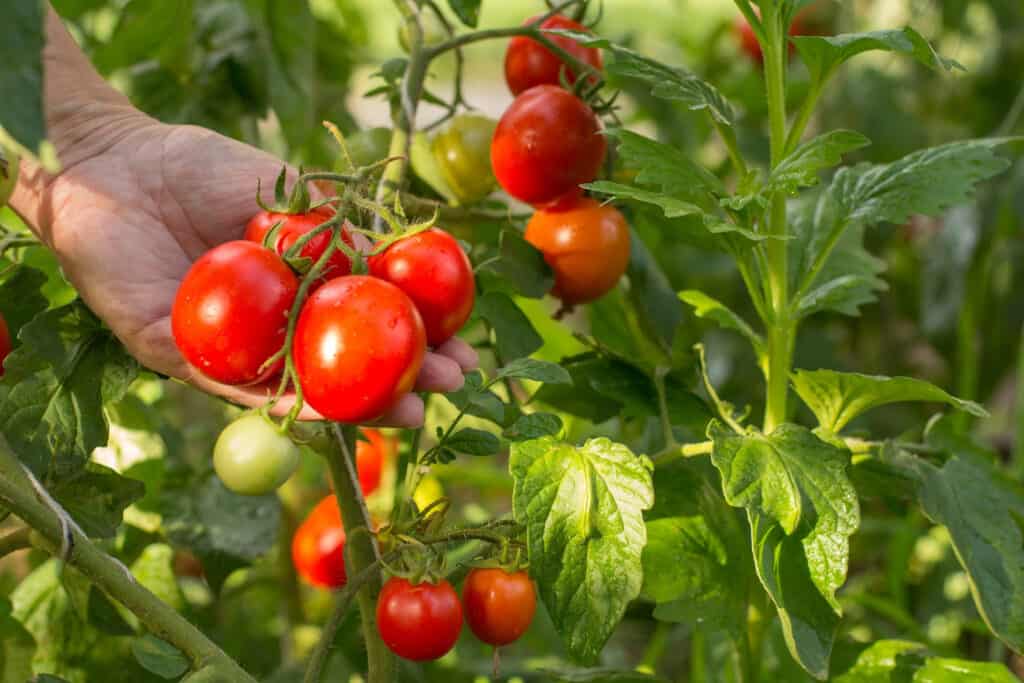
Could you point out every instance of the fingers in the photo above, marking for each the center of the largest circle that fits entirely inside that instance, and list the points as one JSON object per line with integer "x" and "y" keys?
{"x": 255, "y": 396}
{"x": 460, "y": 352}
{"x": 406, "y": 414}
{"x": 439, "y": 373}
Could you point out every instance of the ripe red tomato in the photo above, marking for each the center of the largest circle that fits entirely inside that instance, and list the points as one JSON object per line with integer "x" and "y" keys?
{"x": 587, "y": 246}
{"x": 318, "y": 547}
{"x": 359, "y": 345}
{"x": 546, "y": 144}
{"x": 748, "y": 39}
{"x": 371, "y": 456}
{"x": 499, "y": 604}
{"x": 294, "y": 226}
{"x": 5, "y": 343}
{"x": 528, "y": 63}
{"x": 231, "y": 311}
{"x": 419, "y": 622}
{"x": 431, "y": 268}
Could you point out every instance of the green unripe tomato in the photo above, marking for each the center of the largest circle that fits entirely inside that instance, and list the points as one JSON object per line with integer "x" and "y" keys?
{"x": 463, "y": 155}
{"x": 9, "y": 162}
{"x": 364, "y": 148}
{"x": 252, "y": 457}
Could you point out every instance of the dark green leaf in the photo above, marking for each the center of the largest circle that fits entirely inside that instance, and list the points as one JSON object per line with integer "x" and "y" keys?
{"x": 473, "y": 442}
{"x": 665, "y": 167}
{"x": 96, "y": 498}
{"x": 57, "y": 382}
{"x": 522, "y": 265}
{"x": 514, "y": 334}
{"x": 21, "y": 298}
{"x": 533, "y": 426}
{"x": 579, "y": 397}
{"x": 902, "y": 661}
{"x": 802, "y": 508}
{"x": 132, "y": 40}
{"x": 651, "y": 293}
{"x": 476, "y": 401}
{"x": 104, "y": 615}
{"x": 468, "y": 11}
{"x": 154, "y": 569}
{"x": 835, "y": 398}
{"x": 21, "y": 52}
{"x": 159, "y": 657}
{"x": 537, "y": 370}
{"x": 706, "y": 307}
{"x": 802, "y": 166}
{"x": 17, "y": 646}
{"x": 583, "y": 510}
{"x": 43, "y": 607}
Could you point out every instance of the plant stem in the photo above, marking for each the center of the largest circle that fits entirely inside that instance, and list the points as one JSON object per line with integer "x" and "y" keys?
{"x": 361, "y": 549}
{"x": 109, "y": 575}
{"x": 780, "y": 328}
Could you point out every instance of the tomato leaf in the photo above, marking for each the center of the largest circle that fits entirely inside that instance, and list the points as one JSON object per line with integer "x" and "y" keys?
{"x": 706, "y": 307}
{"x": 468, "y": 11}
{"x": 514, "y": 334}
{"x": 801, "y": 167}
{"x": 21, "y": 52}
{"x": 473, "y": 442}
{"x": 835, "y": 398}
{"x": 900, "y": 660}
{"x": 579, "y": 397}
{"x": 474, "y": 400}
{"x": 651, "y": 293}
{"x": 17, "y": 646}
{"x": 522, "y": 265}
{"x": 132, "y": 43}
{"x": 665, "y": 166}
{"x": 56, "y": 384}
{"x": 21, "y": 298}
{"x": 96, "y": 498}
{"x": 802, "y": 508}
{"x": 537, "y": 370}
{"x": 583, "y": 510}
{"x": 159, "y": 657}
{"x": 154, "y": 569}
{"x": 533, "y": 426}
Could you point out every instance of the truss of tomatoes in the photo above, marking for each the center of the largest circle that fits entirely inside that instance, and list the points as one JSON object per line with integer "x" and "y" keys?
{"x": 359, "y": 340}
{"x": 547, "y": 144}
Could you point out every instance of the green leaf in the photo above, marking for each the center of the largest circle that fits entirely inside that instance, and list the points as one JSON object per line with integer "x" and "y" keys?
{"x": 564, "y": 675}
{"x": 17, "y": 647}
{"x": 822, "y": 54}
{"x": 42, "y": 605}
{"x": 651, "y": 293}
{"x": 899, "y": 661}
{"x": 533, "y": 426}
{"x": 20, "y": 297}
{"x": 802, "y": 166}
{"x": 665, "y": 167}
{"x": 468, "y": 11}
{"x": 537, "y": 370}
{"x": 132, "y": 40}
{"x": 474, "y": 400}
{"x": 802, "y": 508}
{"x": 706, "y": 307}
{"x": 514, "y": 334}
{"x": 473, "y": 442}
{"x": 522, "y": 265}
{"x": 159, "y": 657}
{"x": 984, "y": 514}
{"x": 56, "y": 384}
{"x": 580, "y": 397}
{"x": 154, "y": 569}
{"x": 22, "y": 37}
{"x": 97, "y": 497}
{"x": 835, "y": 398}
{"x": 583, "y": 511}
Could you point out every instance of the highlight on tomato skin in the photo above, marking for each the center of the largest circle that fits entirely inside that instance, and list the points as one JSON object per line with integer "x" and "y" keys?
{"x": 529, "y": 63}
{"x": 230, "y": 314}
{"x": 318, "y": 546}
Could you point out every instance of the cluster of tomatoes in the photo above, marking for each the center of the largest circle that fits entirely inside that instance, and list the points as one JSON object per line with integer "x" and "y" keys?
{"x": 546, "y": 145}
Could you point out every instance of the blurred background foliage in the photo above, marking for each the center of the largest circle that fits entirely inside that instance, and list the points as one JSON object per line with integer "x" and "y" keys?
{"x": 269, "y": 71}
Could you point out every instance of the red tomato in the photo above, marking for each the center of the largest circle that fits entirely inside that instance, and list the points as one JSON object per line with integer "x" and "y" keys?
{"x": 231, "y": 311}
{"x": 499, "y": 604}
{"x": 5, "y": 343}
{"x": 431, "y": 268}
{"x": 419, "y": 622}
{"x": 371, "y": 456}
{"x": 318, "y": 547}
{"x": 546, "y": 144}
{"x": 359, "y": 345}
{"x": 528, "y": 63}
{"x": 587, "y": 246}
{"x": 294, "y": 226}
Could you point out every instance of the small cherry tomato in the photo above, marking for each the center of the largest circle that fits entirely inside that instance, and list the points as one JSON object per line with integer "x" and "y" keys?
{"x": 9, "y": 162}
{"x": 528, "y": 63}
{"x": 294, "y": 226}
{"x": 252, "y": 457}
{"x": 587, "y": 246}
{"x": 318, "y": 547}
{"x": 5, "y": 343}
{"x": 419, "y": 622}
{"x": 462, "y": 151}
{"x": 371, "y": 456}
{"x": 546, "y": 144}
{"x": 231, "y": 312}
{"x": 359, "y": 345}
{"x": 431, "y": 268}
{"x": 499, "y": 604}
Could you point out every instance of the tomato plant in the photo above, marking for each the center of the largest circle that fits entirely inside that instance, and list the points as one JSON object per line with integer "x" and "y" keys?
{"x": 529, "y": 63}
{"x": 253, "y": 457}
{"x": 291, "y": 227}
{"x": 359, "y": 344}
{"x": 419, "y": 621}
{"x": 318, "y": 546}
{"x": 433, "y": 271}
{"x": 499, "y": 604}
{"x": 547, "y": 143}
{"x": 231, "y": 311}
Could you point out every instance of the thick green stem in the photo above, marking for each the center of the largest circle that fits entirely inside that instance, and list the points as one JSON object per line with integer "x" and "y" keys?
{"x": 110, "y": 576}
{"x": 361, "y": 549}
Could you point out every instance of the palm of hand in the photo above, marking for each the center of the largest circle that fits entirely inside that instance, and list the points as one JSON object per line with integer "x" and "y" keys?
{"x": 128, "y": 223}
